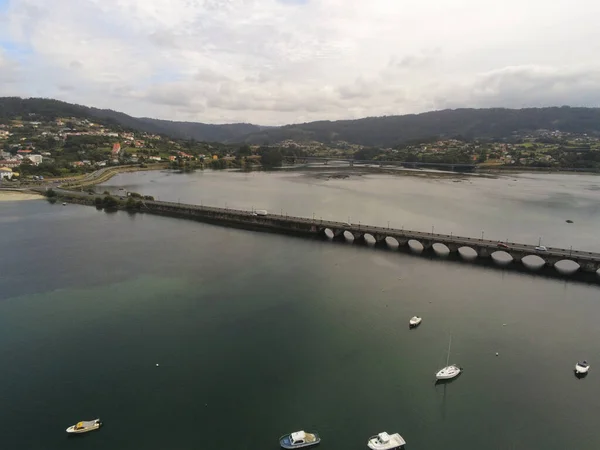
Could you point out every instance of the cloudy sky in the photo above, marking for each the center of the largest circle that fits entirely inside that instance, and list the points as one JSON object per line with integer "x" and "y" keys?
{"x": 284, "y": 61}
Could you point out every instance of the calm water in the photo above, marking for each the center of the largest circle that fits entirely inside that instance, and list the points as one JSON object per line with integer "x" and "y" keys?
{"x": 257, "y": 334}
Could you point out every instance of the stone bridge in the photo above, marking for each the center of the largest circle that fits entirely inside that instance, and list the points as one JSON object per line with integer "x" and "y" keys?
{"x": 377, "y": 236}
{"x": 461, "y": 167}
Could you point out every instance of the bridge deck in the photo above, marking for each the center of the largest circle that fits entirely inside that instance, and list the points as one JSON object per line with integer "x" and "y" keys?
{"x": 396, "y": 233}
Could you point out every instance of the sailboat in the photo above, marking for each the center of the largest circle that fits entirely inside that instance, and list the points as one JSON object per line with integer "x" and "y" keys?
{"x": 450, "y": 371}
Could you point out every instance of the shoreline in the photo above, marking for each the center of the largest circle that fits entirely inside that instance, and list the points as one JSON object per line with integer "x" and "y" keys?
{"x": 17, "y": 196}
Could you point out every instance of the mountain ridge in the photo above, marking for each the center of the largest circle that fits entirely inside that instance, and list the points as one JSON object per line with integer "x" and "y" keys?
{"x": 384, "y": 131}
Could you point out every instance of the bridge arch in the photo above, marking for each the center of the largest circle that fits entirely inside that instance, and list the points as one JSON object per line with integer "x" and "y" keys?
{"x": 392, "y": 242}
{"x": 566, "y": 266}
{"x": 328, "y": 233}
{"x": 533, "y": 262}
{"x": 415, "y": 246}
{"x": 369, "y": 239}
{"x": 441, "y": 249}
{"x": 502, "y": 258}
{"x": 467, "y": 253}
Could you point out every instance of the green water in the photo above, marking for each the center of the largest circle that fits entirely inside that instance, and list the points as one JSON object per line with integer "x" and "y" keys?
{"x": 257, "y": 335}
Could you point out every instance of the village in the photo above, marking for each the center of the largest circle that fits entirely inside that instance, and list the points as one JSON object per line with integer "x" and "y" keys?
{"x": 69, "y": 146}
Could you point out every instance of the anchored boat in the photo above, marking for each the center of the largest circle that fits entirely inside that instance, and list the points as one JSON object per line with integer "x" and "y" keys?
{"x": 84, "y": 426}
{"x": 415, "y": 322}
{"x": 582, "y": 367}
{"x": 299, "y": 439}
{"x": 385, "y": 441}
{"x": 450, "y": 371}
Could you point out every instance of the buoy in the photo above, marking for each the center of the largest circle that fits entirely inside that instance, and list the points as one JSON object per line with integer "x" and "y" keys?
{"x": 157, "y": 365}
{"x": 496, "y": 353}
{"x": 503, "y": 324}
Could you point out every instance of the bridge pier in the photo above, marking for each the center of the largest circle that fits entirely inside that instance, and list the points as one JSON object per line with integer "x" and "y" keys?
{"x": 380, "y": 241}
{"x": 483, "y": 252}
{"x": 588, "y": 266}
{"x": 338, "y": 235}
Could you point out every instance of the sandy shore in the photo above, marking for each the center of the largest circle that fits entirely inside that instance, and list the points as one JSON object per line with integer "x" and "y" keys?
{"x": 14, "y": 196}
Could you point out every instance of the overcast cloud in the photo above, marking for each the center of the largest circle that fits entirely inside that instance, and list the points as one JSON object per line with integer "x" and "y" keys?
{"x": 283, "y": 61}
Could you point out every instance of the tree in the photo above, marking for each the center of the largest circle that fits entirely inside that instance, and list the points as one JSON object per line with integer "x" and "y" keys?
{"x": 244, "y": 150}
{"x": 110, "y": 202}
{"x": 271, "y": 157}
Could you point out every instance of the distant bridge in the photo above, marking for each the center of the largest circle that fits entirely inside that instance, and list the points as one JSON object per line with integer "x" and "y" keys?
{"x": 462, "y": 167}
{"x": 588, "y": 262}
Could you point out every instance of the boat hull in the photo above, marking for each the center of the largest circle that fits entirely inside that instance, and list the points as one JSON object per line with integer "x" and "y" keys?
{"x": 581, "y": 369}
{"x": 94, "y": 427}
{"x": 285, "y": 441}
{"x": 448, "y": 373}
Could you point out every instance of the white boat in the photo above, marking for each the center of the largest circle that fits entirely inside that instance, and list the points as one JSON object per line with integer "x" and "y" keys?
{"x": 385, "y": 441}
{"x": 84, "y": 426}
{"x": 451, "y": 370}
{"x": 299, "y": 439}
{"x": 415, "y": 321}
{"x": 582, "y": 367}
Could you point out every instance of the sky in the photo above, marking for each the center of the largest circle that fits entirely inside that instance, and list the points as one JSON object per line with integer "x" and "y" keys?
{"x": 274, "y": 62}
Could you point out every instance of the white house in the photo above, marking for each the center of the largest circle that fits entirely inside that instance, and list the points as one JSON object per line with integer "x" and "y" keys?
{"x": 5, "y": 172}
{"x": 35, "y": 159}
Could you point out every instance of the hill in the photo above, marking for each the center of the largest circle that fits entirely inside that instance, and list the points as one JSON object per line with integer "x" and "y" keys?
{"x": 48, "y": 109}
{"x": 467, "y": 124}
{"x": 385, "y": 131}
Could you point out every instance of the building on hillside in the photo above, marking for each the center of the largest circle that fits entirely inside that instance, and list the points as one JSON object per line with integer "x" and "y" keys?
{"x": 23, "y": 152}
{"x": 35, "y": 159}
{"x": 116, "y": 150}
{"x": 11, "y": 164}
{"x": 6, "y": 172}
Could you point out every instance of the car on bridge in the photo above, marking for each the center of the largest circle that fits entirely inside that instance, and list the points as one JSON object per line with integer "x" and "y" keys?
{"x": 541, "y": 248}
{"x": 502, "y": 245}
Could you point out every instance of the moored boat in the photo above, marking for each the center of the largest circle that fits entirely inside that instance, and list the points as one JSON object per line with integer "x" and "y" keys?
{"x": 415, "y": 321}
{"x": 582, "y": 367}
{"x": 385, "y": 441}
{"x": 450, "y": 371}
{"x": 299, "y": 439}
{"x": 84, "y": 426}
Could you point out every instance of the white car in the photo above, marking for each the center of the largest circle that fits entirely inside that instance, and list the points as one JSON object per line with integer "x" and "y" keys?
{"x": 541, "y": 248}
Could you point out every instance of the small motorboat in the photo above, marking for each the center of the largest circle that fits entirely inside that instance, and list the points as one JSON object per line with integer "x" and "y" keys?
{"x": 582, "y": 367}
{"x": 64, "y": 203}
{"x": 385, "y": 441}
{"x": 84, "y": 426}
{"x": 415, "y": 322}
{"x": 299, "y": 439}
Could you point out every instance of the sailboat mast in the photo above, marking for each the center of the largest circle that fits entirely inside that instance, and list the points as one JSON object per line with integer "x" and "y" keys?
{"x": 449, "y": 344}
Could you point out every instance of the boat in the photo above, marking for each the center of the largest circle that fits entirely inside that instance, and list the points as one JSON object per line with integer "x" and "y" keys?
{"x": 450, "y": 371}
{"x": 299, "y": 439}
{"x": 64, "y": 203}
{"x": 414, "y": 321}
{"x": 385, "y": 441}
{"x": 84, "y": 426}
{"x": 582, "y": 367}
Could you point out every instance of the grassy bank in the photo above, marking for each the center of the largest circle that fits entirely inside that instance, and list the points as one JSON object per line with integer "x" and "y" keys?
{"x": 102, "y": 175}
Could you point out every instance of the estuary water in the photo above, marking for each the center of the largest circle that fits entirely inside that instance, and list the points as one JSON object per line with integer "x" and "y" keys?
{"x": 183, "y": 335}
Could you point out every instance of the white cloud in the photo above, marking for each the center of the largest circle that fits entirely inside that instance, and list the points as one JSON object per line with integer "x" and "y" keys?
{"x": 282, "y": 61}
